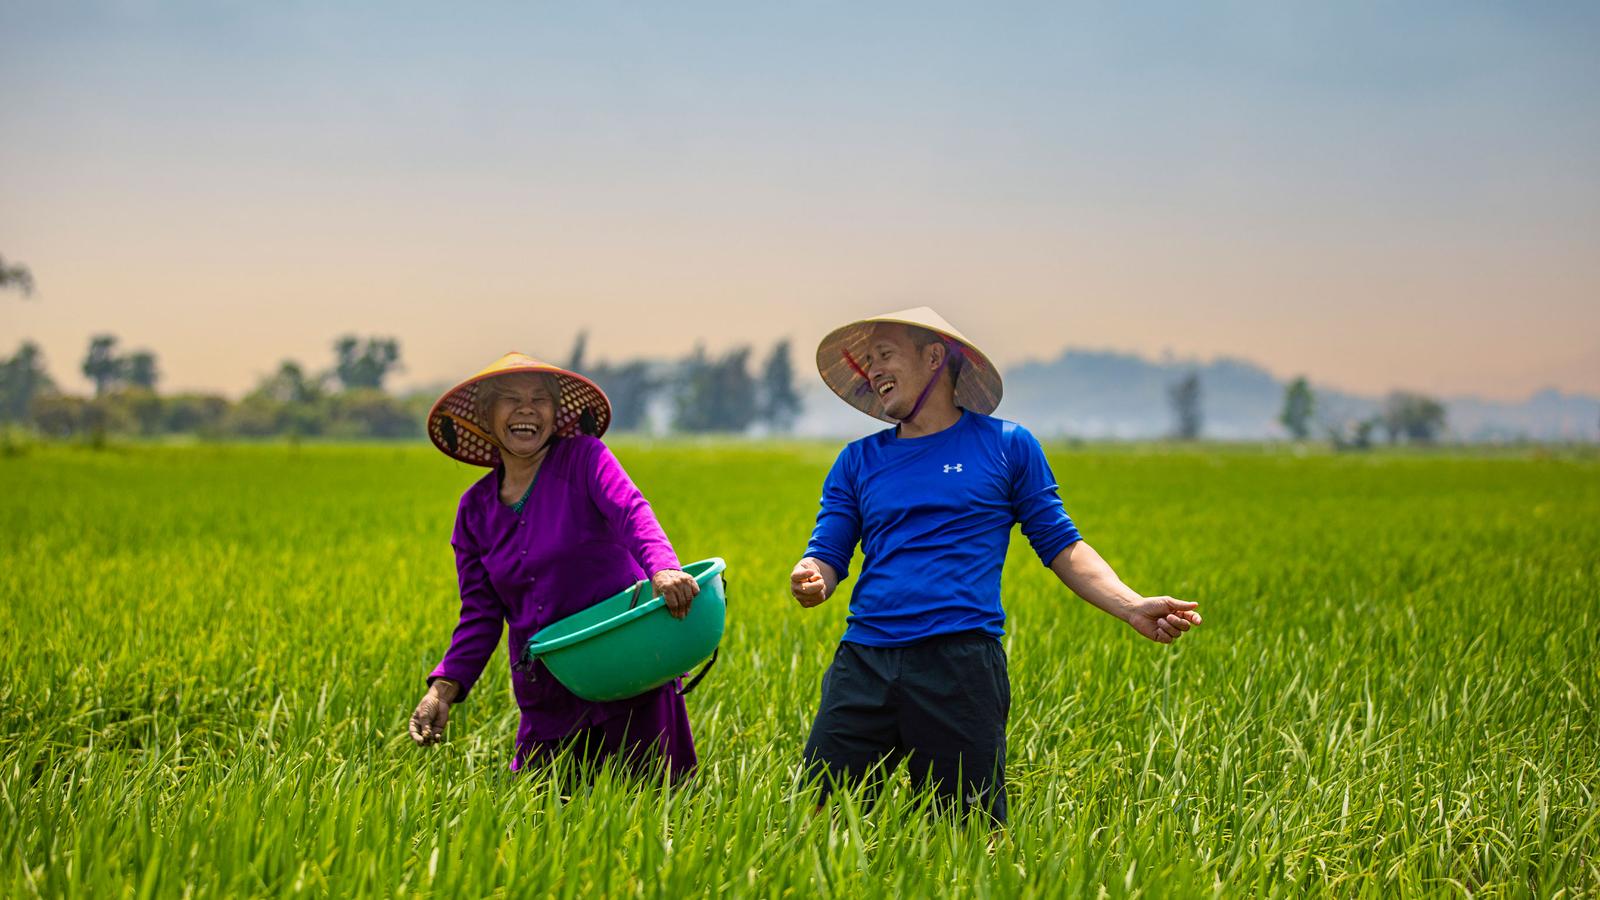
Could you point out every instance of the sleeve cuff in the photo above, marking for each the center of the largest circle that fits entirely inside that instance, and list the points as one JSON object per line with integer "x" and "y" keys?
{"x": 661, "y": 564}
{"x": 1053, "y": 549}
{"x": 839, "y": 567}
{"x": 448, "y": 672}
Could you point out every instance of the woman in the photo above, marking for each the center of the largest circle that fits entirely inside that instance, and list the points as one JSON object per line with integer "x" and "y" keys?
{"x": 555, "y": 527}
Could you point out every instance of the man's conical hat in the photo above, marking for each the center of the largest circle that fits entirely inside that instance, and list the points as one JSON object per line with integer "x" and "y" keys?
{"x": 839, "y": 356}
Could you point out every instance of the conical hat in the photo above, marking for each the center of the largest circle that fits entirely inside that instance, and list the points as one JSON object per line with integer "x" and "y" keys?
{"x": 455, "y": 427}
{"x": 839, "y": 358}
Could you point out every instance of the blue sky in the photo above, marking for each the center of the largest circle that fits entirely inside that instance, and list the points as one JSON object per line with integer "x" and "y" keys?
{"x": 1377, "y": 195}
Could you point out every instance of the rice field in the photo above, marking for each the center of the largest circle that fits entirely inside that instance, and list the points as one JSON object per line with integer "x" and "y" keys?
{"x": 211, "y": 652}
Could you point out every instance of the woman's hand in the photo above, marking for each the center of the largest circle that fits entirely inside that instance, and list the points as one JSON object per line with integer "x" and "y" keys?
{"x": 677, "y": 587}
{"x": 433, "y": 713}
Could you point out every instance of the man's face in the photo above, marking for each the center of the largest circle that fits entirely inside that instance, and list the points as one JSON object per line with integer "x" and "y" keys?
{"x": 895, "y": 369}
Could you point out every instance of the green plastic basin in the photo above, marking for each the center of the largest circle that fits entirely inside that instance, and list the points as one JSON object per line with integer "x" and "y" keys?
{"x": 628, "y": 643}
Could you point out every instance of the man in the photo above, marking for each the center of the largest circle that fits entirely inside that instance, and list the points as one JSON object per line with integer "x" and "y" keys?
{"x": 920, "y": 673}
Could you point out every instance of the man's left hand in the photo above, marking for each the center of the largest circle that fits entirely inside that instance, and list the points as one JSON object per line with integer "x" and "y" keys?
{"x": 677, "y": 588}
{"x": 1162, "y": 619}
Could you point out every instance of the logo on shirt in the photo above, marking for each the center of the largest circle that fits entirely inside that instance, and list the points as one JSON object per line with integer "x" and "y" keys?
{"x": 953, "y": 467}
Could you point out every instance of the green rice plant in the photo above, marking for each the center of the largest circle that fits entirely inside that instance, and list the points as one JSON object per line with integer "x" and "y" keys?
{"x": 212, "y": 652}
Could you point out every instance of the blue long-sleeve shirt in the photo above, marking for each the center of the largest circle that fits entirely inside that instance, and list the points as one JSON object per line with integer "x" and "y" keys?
{"x": 933, "y": 516}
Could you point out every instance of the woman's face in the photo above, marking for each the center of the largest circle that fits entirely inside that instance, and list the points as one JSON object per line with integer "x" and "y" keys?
{"x": 523, "y": 413}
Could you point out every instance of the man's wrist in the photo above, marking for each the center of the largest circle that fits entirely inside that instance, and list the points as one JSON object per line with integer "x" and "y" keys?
{"x": 1123, "y": 604}
{"x": 445, "y": 689}
{"x": 1128, "y": 605}
{"x": 821, "y": 569}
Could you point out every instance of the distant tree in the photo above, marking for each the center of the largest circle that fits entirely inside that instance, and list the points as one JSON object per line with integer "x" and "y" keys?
{"x": 16, "y": 276}
{"x": 359, "y": 365}
{"x": 370, "y": 413}
{"x": 417, "y": 403}
{"x": 780, "y": 402}
{"x": 1185, "y": 397}
{"x": 1356, "y": 435}
{"x": 735, "y": 391}
{"x": 1416, "y": 418}
{"x": 102, "y": 365}
{"x": 194, "y": 413}
{"x": 630, "y": 388}
{"x": 715, "y": 395}
{"x": 139, "y": 370}
{"x": 22, "y": 380}
{"x": 1363, "y": 433}
{"x": 1298, "y": 405}
{"x": 108, "y": 415}
{"x": 291, "y": 384}
{"x": 137, "y": 406}
{"x": 255, "y": 415}
{"x": 691, "y": 392}
{"x": 579, "y": 346}
{"x": 288, "y": 401}
{"x": 60, "y": 415}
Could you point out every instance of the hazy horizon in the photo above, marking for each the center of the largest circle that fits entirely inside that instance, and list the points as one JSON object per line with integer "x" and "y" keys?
{"x": 1373, "y": 197}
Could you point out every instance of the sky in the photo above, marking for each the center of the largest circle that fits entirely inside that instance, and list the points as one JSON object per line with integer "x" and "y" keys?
{"x": 1375, "y": 195}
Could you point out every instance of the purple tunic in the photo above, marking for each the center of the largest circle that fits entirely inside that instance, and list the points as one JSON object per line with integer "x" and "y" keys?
{"x": 585, "y": 533}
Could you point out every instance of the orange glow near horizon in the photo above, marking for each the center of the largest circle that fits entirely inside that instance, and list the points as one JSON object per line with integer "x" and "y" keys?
{"x": 233, "y": 190}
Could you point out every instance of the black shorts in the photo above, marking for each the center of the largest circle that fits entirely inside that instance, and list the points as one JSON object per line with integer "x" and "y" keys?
{"x": 940, "y": 704}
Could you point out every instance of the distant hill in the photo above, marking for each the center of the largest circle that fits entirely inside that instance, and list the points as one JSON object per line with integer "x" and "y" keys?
{"x": 1106, "y": 394}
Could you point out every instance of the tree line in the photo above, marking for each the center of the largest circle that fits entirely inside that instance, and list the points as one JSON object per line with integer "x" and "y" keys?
{"x": 348, "y": 399}
{"x": 700, "y": 393}
{"x": 1404, "y": 417}
{"x": 704, "y": 393}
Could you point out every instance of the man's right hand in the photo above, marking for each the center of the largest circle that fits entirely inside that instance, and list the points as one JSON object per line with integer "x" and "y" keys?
{"x": 807, "y": 584}
{"x": 433, "y": 713}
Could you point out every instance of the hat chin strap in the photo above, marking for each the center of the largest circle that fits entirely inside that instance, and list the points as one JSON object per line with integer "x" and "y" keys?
{"x": 466, "y": 424}
{"x": 927, "y": 388}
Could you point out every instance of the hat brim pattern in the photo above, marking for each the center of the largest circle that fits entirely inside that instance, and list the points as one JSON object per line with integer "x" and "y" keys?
{"x": 455, "y": 428}
{"x": 978, "y": 384}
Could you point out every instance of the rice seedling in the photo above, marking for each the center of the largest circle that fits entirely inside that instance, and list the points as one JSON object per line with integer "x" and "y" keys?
{"x": 212, "y": 652}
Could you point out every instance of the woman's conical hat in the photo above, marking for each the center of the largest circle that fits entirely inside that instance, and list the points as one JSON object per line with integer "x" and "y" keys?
{"x": 455, "y": 426}
{"x": 978, "y": 386}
